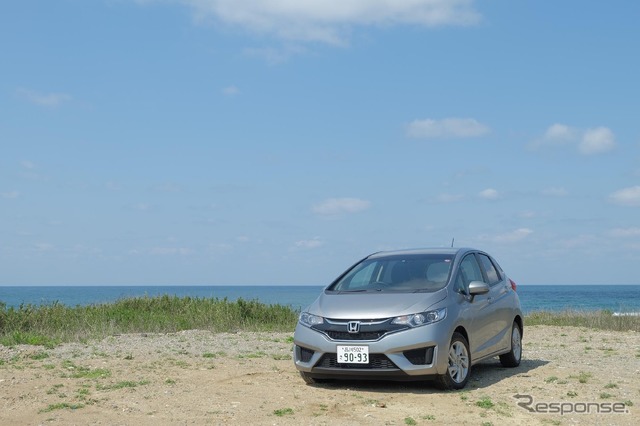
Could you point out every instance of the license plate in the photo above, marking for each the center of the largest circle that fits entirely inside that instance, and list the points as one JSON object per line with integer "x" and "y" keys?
{"x": 353, "y": 354}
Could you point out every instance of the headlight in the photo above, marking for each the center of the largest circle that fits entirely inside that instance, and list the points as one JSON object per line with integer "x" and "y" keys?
{"x": 310, "y": 320}
{"x": 422, "y": 318}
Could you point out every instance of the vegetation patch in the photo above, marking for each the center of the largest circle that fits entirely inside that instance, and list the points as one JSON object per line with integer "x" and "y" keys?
{"x": 283, "y": 412}
{"x": 485, "y": 402}
{"x": 51, "y": 324}
{"x": 79, "y": 372}
{"x": 122, "y": 385}
{"x": 39, "y": 355}
{"x": 61, "y": 406}
{"x": 602, "y": 320}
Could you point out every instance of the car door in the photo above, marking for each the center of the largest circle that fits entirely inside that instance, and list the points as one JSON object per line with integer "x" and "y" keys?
{"x": 475, "y": 311}
{"x": 499, "y": 327}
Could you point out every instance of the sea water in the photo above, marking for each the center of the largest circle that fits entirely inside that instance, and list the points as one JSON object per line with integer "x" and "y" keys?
{"x": 615, "y": 298}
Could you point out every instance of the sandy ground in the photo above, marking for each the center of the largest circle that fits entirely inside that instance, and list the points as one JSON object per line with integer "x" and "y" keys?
{"x": 198, "y": 377}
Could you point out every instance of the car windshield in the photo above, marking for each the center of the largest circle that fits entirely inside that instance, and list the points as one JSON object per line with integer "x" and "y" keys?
{"x": 424, "y": 272}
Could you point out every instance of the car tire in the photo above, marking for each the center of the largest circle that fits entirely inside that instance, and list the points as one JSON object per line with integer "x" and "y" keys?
{"x": 458, "y": 364}
{"x": 512, "y": 358}
{"x": 310, "y": 380}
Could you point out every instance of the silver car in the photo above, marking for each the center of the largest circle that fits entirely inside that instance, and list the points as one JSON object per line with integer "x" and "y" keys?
{"x": 412, "y": 314}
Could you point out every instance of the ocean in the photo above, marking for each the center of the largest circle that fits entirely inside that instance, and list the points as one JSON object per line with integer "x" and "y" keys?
{"x": 616, "y": 298}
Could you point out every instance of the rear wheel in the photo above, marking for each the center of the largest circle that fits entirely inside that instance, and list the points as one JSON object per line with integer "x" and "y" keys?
{"x": 513, "y": 357}
{"x": 459, "y": 364}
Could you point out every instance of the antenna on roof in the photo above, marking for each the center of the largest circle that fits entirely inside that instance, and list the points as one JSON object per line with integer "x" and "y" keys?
{"x": 452, "y": 240}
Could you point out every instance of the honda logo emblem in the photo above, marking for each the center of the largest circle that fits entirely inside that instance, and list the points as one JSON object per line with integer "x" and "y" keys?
{"x": 353, "y": 326}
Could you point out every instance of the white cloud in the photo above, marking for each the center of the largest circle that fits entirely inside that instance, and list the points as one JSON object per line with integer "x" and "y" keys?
{"x": 597, "y": 141}
{"x": 336, "y": 206}
{"x": 112, "y": 186}
{"x": 309, "y": 244}
{"x": 44, "y": 246}
{"x": 27, "y": 165}
{"x": 231, "y": 91}
{"x": 274, "y": 56}
{"x": 449, "y": 198}
{"x": 579, "y": 241}
{"x": 141, "y": 207}
{"x": 588, "y": 142}
{"x": 555, "y": 192}
{"x": 513, "y": 236}
{"x": 167, "y": 187}
{"x": 556, "y": 135}
{"x": 446, "y": 128}
{"x": 43, "y": 99}
{"x": 331, "y": 21}
{"x": 559, "y": 132}
{"x": 626, "y": 196}
{"x": 170, "y": 251}
{"x": 625, "y": 232}
{"x": 527, "y": 214}
{"x": 489, "y": 194}
{"x": 10, "y": 194}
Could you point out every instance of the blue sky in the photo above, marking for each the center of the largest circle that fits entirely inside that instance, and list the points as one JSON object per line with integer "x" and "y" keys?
{"x": 228, "y": 142}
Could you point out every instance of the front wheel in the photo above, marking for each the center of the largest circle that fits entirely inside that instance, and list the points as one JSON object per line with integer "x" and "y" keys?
{"x": 310, "y": 380}
{"x": 459, "y": 367}
{"x": 307, "y": 378}
{"x": 513, "y": 357}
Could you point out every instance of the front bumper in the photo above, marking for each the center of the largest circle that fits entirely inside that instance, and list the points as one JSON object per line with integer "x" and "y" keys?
{"x": 412, "y": 354}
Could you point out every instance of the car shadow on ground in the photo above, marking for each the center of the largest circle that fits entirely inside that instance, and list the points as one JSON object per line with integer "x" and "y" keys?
{"x": 483, "y": 375}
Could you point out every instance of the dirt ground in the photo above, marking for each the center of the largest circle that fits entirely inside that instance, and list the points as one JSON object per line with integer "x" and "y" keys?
{"x": 568, "y": 376}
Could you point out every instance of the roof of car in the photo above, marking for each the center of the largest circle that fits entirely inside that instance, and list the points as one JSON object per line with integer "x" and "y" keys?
{"x": 436, "y": 250}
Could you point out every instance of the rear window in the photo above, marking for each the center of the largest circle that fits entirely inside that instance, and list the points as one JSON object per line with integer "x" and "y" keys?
{"x": 492, "y": 273}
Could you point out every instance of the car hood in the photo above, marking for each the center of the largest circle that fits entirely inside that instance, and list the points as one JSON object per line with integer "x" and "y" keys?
{"x": 373, "y": 305}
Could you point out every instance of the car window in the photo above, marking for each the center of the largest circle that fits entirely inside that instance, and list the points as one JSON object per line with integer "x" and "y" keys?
{"x": 492, "y": 274}
{"x": 469, "y": 271}
{"x": 397, "y": 273}
{"x": 361, "y": 278}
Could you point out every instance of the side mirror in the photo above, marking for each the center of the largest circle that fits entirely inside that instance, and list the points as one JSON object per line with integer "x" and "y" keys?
{"x": 478, "y": 287}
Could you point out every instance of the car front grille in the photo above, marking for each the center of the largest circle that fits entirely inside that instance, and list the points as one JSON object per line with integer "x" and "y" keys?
{"x": 367, "y": 329}
{"x": 344, "y": 335}
{"x": 376, "y": 362}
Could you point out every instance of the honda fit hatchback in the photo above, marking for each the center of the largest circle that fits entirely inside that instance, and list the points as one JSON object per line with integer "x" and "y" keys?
{"x": 427, "y": 314}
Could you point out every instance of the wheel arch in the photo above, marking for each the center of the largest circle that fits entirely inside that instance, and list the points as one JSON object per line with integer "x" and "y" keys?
{"x": 460, "y": 329}
{"x": 518, "y": 320}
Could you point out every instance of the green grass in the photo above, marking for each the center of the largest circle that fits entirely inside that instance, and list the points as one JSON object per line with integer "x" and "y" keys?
{"x": 52, "y": 324}
{"x": 283, "y": 412}
{"x": 602, "y": 320}
{"x": 55, "y": 323}
{"x": 61, "y": 406}
{"x": 39, "y": 355}
{"x": 122, "y": 385}
{"x": 485, "y": 402}
{"x": 583, "y": 377}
